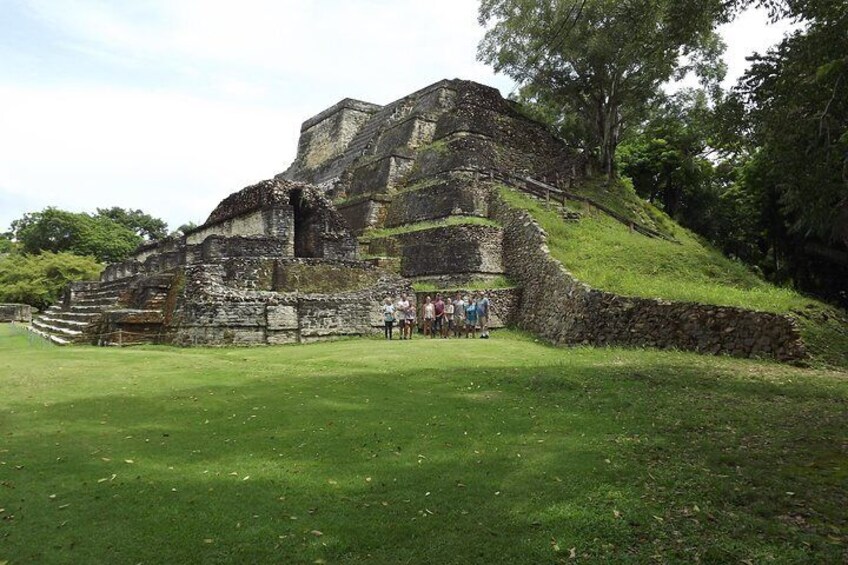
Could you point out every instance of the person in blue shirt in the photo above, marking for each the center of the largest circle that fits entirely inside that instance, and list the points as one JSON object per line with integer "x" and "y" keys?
{"x": 470, "y": 318}
{"x": 483, "y": 308}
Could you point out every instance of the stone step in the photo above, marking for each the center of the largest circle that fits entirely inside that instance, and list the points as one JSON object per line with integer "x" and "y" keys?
{"x": 63, "y": 322}
{"x": 86, "y": 317}
{"x": 52, "y": 338}
{"x": 86, "y": 308}
{"x": 102, "y": 301}
{"x": 58, "y": 319}
{"x": 107, "y": 293}
{"x": 46, "y": 327}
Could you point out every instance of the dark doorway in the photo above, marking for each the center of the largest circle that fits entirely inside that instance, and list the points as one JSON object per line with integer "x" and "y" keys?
{"x": 307, "y": 241}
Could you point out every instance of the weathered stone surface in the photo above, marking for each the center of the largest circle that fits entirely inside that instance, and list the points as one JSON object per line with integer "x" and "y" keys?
{"x": 283, "y": 317}
{"x": 324, "y": 138}
{"x": 408, "y": 134}
{"x": 15, "y": 313}
{"x": 380, "y": 176}
{"x": 439, "y": 197}
{"x": 465, "y": 248}
{"x": 361, "y": 214}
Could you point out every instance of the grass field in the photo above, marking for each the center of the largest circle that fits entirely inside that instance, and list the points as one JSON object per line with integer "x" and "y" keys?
{"x": 459, "y": 451}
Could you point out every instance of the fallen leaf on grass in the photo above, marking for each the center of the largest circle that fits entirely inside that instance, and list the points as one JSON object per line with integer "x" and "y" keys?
{"x": 317, "y": 533}
{"x": 616, "y": 513}
{"x": 572, "y": 553}
{"x": 208, "y": 540}
{"x": 130, "y": 461}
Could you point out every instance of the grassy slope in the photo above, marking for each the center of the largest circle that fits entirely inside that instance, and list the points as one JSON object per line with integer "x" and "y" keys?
{"x": 607, "y": 255}
{"x": 454, "y": 451}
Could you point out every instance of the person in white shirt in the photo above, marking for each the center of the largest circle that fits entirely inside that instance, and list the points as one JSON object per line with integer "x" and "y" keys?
{"x": 447, "y": 327}
{"x": 388, "y": 317}
{"x": 429, "y": 317}
{"x": 401, "y": 309}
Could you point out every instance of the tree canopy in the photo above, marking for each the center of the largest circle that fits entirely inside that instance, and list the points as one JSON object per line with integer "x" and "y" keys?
{"x": 79, "y": 233}
{"x": 597, "y": 66}
{"x": 39, "y": 279}
{"x": 143, "y": 225}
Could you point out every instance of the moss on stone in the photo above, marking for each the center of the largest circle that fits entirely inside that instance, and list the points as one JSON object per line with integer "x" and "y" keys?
{"x": 323, "y": 279}
{"x": 372, "y": 234}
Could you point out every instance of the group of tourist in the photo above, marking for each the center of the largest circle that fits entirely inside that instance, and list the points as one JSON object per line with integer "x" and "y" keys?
{"x": 444, "y": 317}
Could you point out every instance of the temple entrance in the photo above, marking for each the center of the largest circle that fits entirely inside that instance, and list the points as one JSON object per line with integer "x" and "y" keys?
{"x": 306, "y": 234}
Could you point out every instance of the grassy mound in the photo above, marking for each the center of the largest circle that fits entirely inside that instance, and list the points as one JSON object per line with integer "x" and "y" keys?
{"x": 456, "y": 451}
{"x": 607, "y": 255}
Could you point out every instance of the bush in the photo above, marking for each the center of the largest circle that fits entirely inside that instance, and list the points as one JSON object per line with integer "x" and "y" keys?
{"x": 39, "y": 279}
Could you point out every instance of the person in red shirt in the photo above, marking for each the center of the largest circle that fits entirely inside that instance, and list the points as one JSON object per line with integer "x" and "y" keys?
{"x": 439, "y": 323}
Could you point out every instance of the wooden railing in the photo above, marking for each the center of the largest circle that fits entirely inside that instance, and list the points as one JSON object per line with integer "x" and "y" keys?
{"x": 550, "y": 192}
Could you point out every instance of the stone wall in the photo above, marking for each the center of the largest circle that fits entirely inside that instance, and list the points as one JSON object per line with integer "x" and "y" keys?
{"x": 380, "y": 176}
{"x": 15, "y": 313}
{"x": 563, "y": 310}
{"x": 210, "y": 312}
{"x": 438, "y": 197}
{"x": 363, "y": 213}
{"x": 464, "y": 248}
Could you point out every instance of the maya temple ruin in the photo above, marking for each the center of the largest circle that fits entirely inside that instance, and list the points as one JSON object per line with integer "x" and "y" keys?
{"x": 381, "y": 200}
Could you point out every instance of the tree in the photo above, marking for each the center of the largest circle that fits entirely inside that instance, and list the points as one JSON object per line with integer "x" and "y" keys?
{"x": 186, "y": 227}
{"x": 59, "y": 230}
{"x": 796, "y": 96}
{"x": 667, "y": 159}
{"x": 794, "y": 103}
{"x": 143, "y": 225}
{"x": 598, "y": 65}
{"x": 6, "y": 243}
{"x": 38, "y": 280}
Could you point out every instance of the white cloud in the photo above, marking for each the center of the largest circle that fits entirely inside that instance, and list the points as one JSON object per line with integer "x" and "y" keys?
{"x": 750, "y": 32}
{"x": 175, "y": 156}
{"x": 221, "y": 91}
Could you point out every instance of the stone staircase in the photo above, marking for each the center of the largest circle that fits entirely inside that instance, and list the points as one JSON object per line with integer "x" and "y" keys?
{"x": 77, "y": 317}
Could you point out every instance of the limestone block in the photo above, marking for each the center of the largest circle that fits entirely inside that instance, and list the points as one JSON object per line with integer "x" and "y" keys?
{"x": 283, "y": 317}
{"x": 282, "y": 337}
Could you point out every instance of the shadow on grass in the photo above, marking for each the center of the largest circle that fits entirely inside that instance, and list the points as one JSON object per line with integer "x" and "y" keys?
{"x": 617, "y": 456}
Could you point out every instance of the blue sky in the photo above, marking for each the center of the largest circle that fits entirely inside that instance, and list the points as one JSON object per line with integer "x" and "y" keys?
{"x": 170, "y": 105}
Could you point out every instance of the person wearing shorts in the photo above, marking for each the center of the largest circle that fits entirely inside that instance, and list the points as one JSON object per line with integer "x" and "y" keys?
{"x": 401, "y": 309}
{"x": 429, "y": 317}
{"x": 439, "y": 320}
{"x": 471, "y": 319}
{"x": 483, "y": 307}
{"x": 447, "y": 328}
{"x": 458, "y": 315}
{"x": 410, "y": 321}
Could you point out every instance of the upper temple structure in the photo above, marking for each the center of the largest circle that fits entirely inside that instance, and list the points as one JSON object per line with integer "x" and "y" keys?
{"x": 388, "y": 200}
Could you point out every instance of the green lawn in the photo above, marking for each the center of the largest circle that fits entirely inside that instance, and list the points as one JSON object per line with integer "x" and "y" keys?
{"x": 607, "y": 255}
{"x": 456, "y": 451}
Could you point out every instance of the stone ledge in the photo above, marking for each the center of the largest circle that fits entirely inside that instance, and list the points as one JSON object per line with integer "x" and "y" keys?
{"x": 345, "y": 104}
